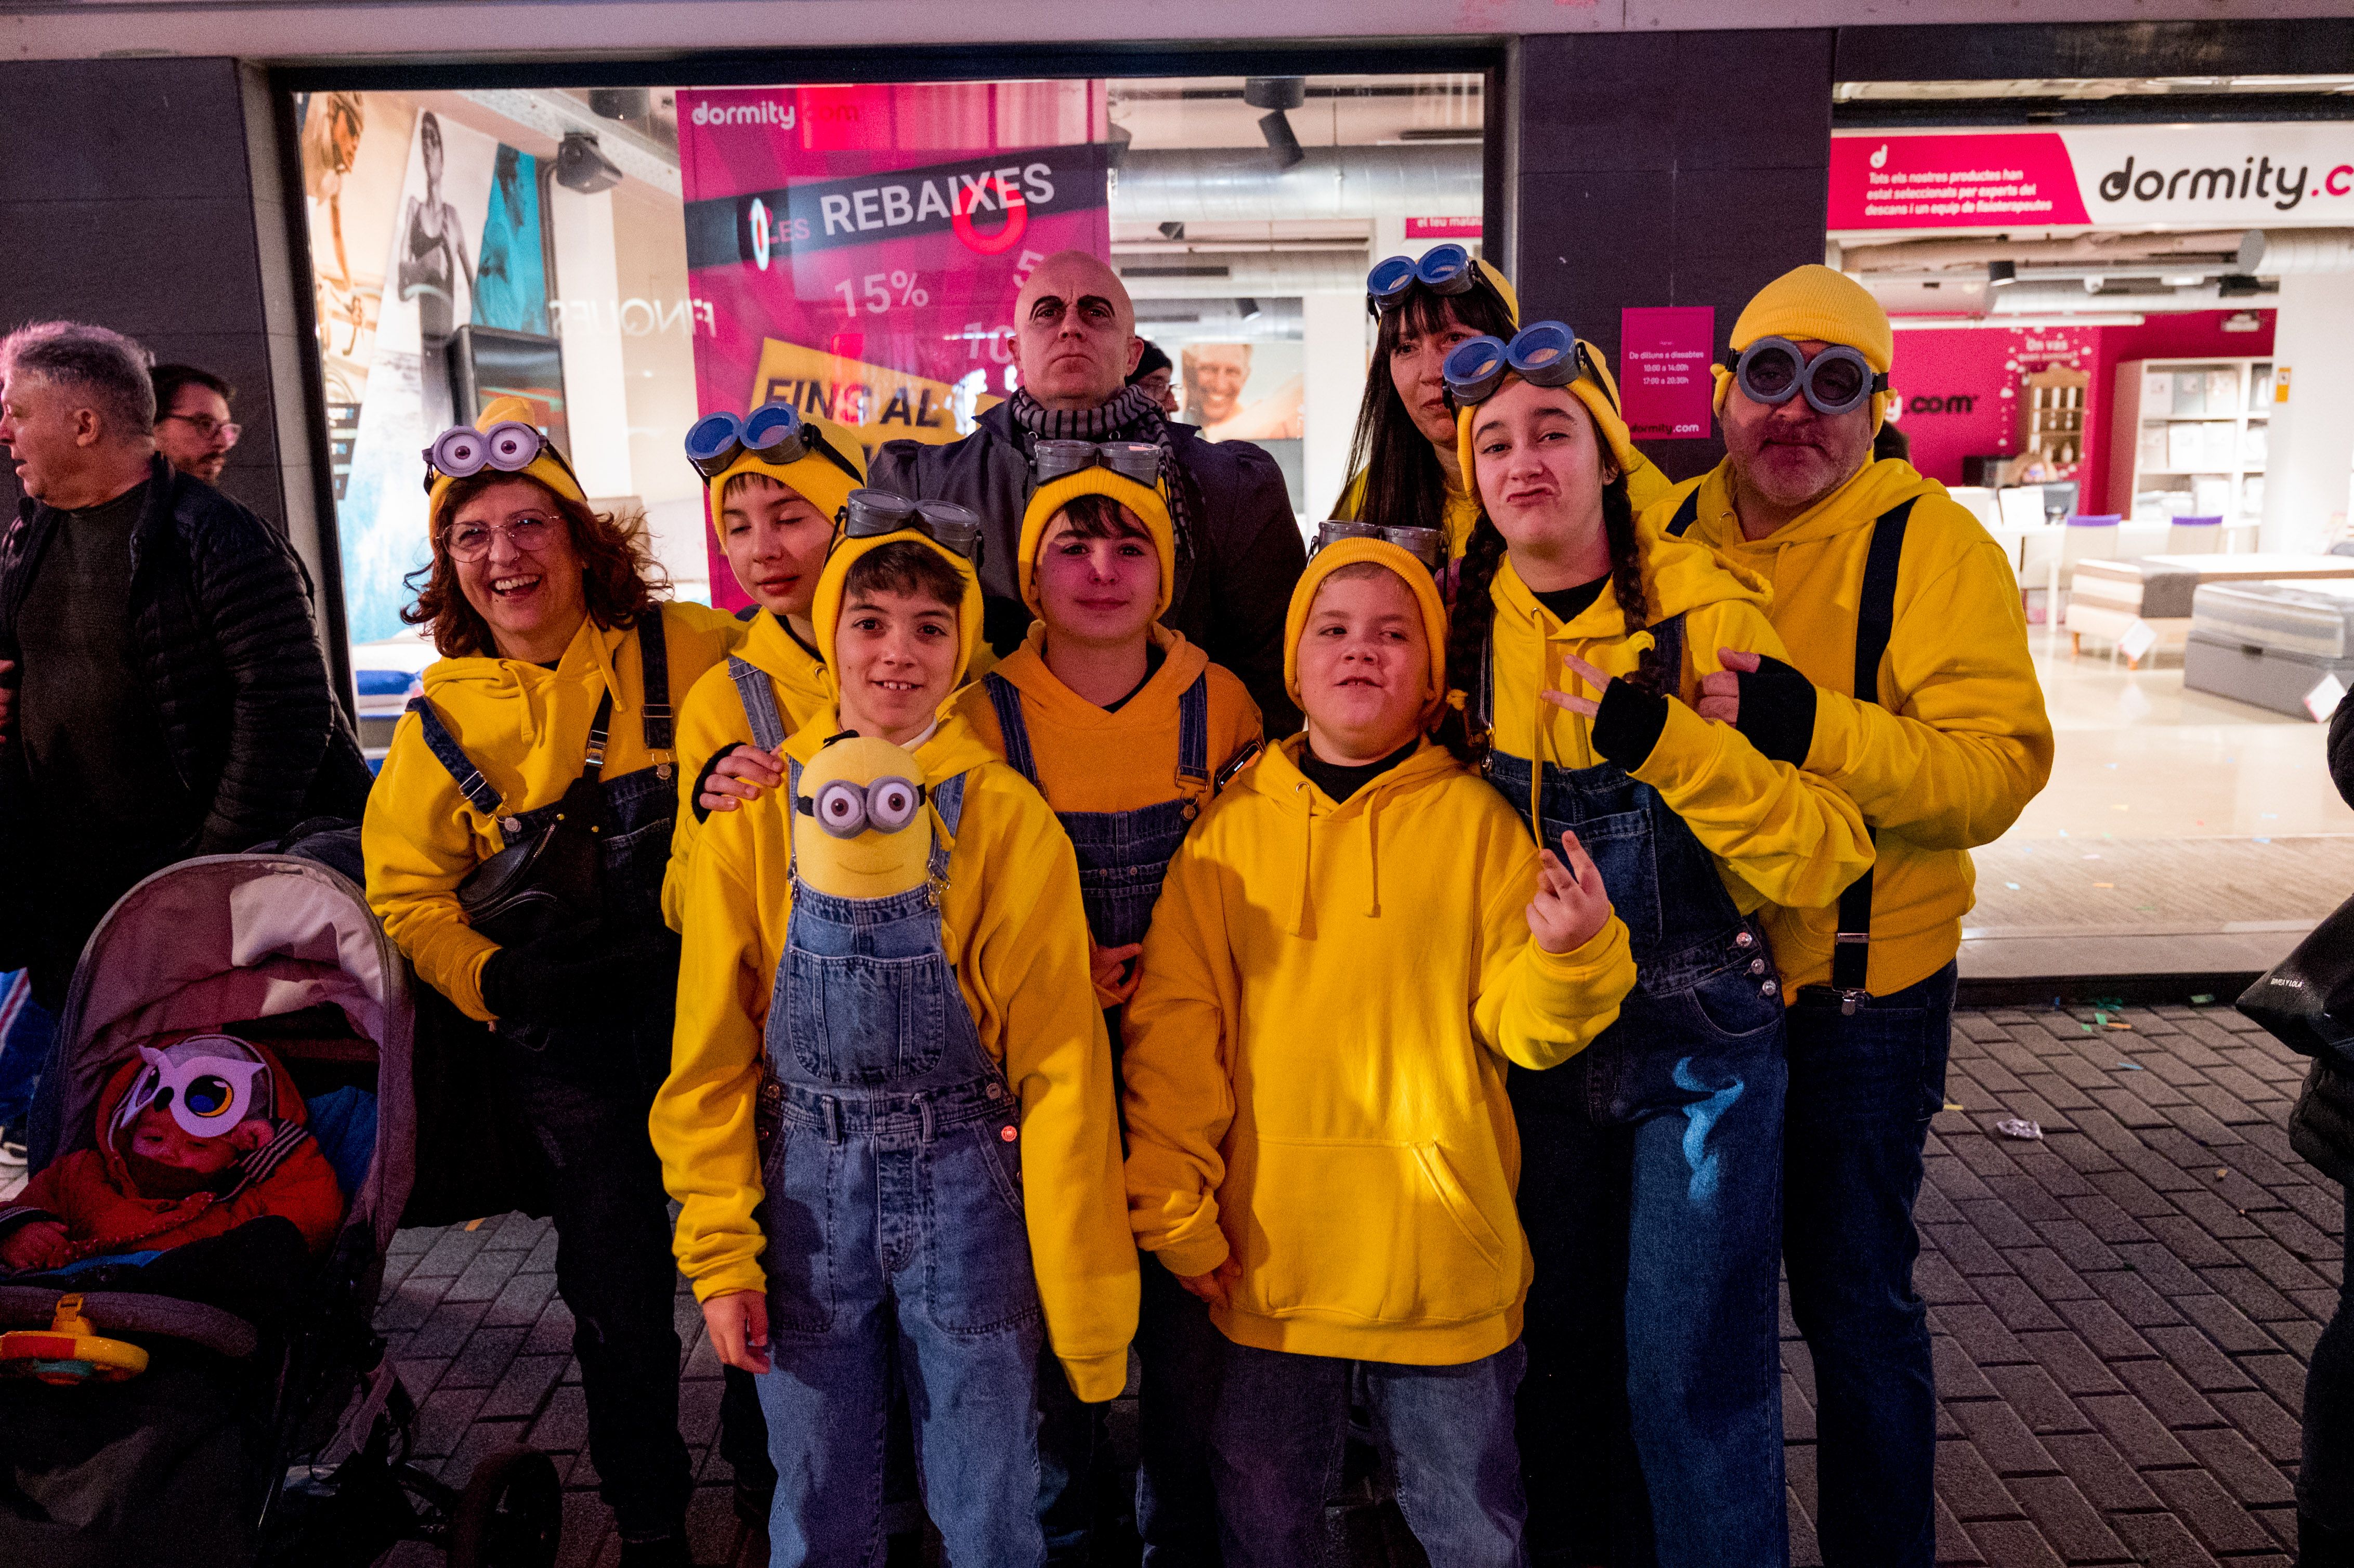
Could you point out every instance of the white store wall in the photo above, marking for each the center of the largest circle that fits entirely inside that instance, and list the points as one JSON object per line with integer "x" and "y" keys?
{"x": 2307, "y": 475}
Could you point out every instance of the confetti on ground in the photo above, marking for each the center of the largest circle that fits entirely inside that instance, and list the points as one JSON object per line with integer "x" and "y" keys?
{"x": 2204, "y": 999}
{"x": 2264, "y": 841}
{"x": 2220, "y": 1175}
{"x": 1952, "y": 1105}
{"x": 2012, "y": 885}
{"x": 2131, "y": 1067}
{"x": 2019, "y": 1128}
{"x": 2105, "y": 884}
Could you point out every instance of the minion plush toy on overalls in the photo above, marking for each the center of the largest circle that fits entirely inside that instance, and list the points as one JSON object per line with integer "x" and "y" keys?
{"x": 886, "y": 972}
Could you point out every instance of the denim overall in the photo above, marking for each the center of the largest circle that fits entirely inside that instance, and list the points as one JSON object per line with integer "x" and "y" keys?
{"x": 1653, "y": 1161}
{"x": 585, "y": 1092}
{"x": 1123, "y": 860}
{"x": 893, "y": 1219}
{"x": 759, "y": 700}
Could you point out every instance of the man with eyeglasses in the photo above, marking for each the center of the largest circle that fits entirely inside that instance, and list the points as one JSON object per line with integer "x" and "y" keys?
{"x": 193, "y": 430}
{"x": 1238, "y": 550}
{"x": 1913, "y": 691}
{"x": 167, "y": 695}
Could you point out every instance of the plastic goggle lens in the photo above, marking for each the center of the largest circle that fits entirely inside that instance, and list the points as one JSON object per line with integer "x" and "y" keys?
{"x": 1838, "y": 380}
{"x": 1545, "y": 354}
{"x": 873, "y": 513}
{"x": 1139, "y": 461}
{"x": 772, "y": 425}
{"x": 1427, "y": 546}
{"x": 458, "y": 452}
{"x": 711, "y": 443}
{"x": 1443, "y": 270}
{"x": 1474, "y": 367}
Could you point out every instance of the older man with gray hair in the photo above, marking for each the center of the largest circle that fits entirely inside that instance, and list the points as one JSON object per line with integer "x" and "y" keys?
{"x": 169, "y": 697}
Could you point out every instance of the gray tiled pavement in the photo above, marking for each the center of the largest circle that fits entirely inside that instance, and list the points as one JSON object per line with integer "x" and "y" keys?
{"x": 2122, "y": 1310}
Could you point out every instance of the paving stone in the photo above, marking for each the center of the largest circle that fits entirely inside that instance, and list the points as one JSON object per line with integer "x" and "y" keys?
{"x": 2106, "y": 1220}
{"x": 2000, "y": 1438}
{"x": 1969, "y": 1486}
{"x": 2186, "y": 1242}
{"x": 1953, "y": 1544}
{"x": 2190, "y": 1352}
{"x": 2016, "y": 1303}
{"x": 2014, "y": 1543}
{"x": 2233, "y": 1460}
{"x": 2052, "y": 1279}
{"x": 2224, "y": 1323}
{"x": 2283, "y": 1377}
{"x": 2272, "y": 1260}
{"x": 1970, "y": 1253}
{"x": 520, "y": 1301}
{"x": 2140, "y": 1436}
{"x": 2162, "y": 1390}
{"x": 2094, "y": 1463}
{"x": 2213, "y": 1515}
{"x": 2250, "y": 1294}
{"x": 2071, "y": 1363}
{"x": 2108, "y": 1334}
{"x": 522, "y": 1387}
{"x": 484, "y": 1358}
{"x": 1957, "y": 1376}
{"x": 1980, "y": 1333}
{"x": 2037, "y": 1399}
{"x": 2067, "y": 1521}
{"x": 2261, "y": 1418}
{"x": 2300, "y": 1236}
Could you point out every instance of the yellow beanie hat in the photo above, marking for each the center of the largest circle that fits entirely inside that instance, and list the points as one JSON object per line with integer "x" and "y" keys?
{"x": 548, "y": 467}
{"x": 815, "y": 477}
{"x": 1151, "y": 509}
{"x": 1598, "y": 392}
{"x": 1814, "y": 302}
{"x": 1502, "y": 285}
{"x": 825, "y": 602}
{"x": 1418, "y": 581}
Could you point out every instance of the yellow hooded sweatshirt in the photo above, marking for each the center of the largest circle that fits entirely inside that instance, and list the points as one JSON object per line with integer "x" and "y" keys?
{"x": 1091, "y": 759}
{"x": 1016, "y": 936}
{"x": 1962, "y": 742}
{"x": 1315, "y": 1059}
{"x": 1779, "y": 836}
{"x": 527, "y": 729}
{"x": 713, "y": 717}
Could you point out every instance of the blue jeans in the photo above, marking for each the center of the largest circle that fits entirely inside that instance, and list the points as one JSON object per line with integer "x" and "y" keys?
{"x": 1862, "y": 1090}
{"x": 2324, "y": 1481}
{"x": 1666, "y": 1142}
{"x": 1444, "y": 1435}
{"x": 1184, "y": 1358}
{"x": 26, "y": 1032}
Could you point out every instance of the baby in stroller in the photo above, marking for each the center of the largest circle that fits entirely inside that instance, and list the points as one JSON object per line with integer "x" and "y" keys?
{"x": 197, "y": 1136}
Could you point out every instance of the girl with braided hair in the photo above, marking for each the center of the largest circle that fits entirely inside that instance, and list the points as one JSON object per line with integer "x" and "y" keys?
{"x": 1652, "y": 1163}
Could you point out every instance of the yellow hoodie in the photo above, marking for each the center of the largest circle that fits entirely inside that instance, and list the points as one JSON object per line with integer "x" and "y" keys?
{"x": 1315, "y": 1060}
{"x": 1779, "y": 836}
{"x": 1091, "y": 759}
{"x": 1962, "y": 743}
{"x": 1017, "y": 937}
{"x": 527, "y": 729}
{"x": 712, "y": 716}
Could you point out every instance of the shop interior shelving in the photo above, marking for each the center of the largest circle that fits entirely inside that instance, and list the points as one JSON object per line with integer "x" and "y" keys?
{"x": 2189, "y": 439}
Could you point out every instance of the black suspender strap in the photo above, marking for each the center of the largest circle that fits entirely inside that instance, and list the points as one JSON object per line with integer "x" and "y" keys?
{"x": 1875, "y": 619}
{"x": 653, "y": 664}
{"x": 1686, "y": 514}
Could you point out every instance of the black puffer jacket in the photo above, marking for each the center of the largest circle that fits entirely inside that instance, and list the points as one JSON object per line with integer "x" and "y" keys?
{"x": 2321, "y": 1126}
{"x": 1230, "y": 598}
{"x": 220, "y": 616}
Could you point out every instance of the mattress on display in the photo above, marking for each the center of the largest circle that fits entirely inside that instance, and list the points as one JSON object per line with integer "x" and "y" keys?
{"x": 2159, "y": 587}
{"x": 2272, "y": 644}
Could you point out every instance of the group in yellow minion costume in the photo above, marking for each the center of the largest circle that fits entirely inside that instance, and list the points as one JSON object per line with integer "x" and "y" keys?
{"x": 516, "y": 848}
{"x": 1351, "y": 944}
{"x": 893, "y": 943}
{"x": 1404, "y": 472}
{"x": 1652, "y": 1162}
{"x": 1909, "y": 685}
{"x": 1125, "y": 727}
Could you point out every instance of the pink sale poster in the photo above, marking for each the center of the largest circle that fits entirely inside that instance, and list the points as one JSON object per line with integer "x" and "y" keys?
{"x": 856, "y": 251}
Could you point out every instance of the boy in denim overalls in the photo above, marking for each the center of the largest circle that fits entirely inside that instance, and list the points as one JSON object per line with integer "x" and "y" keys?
{"x": 898, "y": 934}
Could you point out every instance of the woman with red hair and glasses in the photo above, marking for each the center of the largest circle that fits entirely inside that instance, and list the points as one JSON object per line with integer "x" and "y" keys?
{"x": 543, "y": 743}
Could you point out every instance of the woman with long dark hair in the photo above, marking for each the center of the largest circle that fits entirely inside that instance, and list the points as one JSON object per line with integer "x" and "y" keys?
{"x": 1651, "y": 1162}
{"x": 545, "y": 735}
{"x": 1403, "y": 463}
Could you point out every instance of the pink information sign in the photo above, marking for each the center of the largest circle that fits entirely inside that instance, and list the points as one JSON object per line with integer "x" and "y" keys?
{"x": 1664, "y": 385}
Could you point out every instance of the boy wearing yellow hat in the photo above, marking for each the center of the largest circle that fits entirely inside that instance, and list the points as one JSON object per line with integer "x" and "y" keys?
{"x": 773, "y": 513}
{"x": 886, "y": 961}
{"x": 1353, "y": 942}
{"x": 1125, "y": 727}
{"x": 1909, "y": 685}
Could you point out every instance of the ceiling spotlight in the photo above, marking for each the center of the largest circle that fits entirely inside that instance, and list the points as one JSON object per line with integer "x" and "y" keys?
{"x": 1248, "y": 309}
{"x": 619, "y": 102}
{"x": 1173, "y": 231}
{"x": 2000, "y": 273}
{"x": 580, "y": 166}
{"x": 1116, "y": 145}
{"x": 1275, "y": 94}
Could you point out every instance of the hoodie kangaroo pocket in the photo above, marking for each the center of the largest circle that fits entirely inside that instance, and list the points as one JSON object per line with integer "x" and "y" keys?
{"x": 1380, "y": 1232}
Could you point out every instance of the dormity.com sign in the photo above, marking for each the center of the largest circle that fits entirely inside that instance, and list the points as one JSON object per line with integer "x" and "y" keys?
{"x": 2275, "y": 176}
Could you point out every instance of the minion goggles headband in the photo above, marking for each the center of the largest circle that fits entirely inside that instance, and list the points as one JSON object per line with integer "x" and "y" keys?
{"x": 1443, "y": 270}
{"x": 1427, "y": 546}
{"x": 1139, "y": 461}
{"x": 510, "y": 447}
{"x": 1839, "y": 380}
{"x": 774, "y": 434}
{"x": 1543, "y": 353}
{"x": 870, "y": 513}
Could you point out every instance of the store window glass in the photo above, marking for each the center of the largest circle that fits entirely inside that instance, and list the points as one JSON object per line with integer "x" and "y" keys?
{"x": 2119, "y": 341}
{"x": 630, "y": 258}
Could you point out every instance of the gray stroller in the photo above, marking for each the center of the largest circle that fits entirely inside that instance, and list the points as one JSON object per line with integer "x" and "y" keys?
{"x": 278, "y": 1432}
